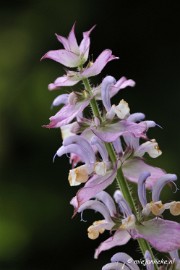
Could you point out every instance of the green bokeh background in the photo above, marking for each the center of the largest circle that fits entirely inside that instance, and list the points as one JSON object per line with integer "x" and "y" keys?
{"x": 36, "y": 230}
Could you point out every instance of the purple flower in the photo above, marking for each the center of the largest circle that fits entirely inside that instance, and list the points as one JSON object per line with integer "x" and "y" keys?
{"x": 74, "y": 106}
{"x": 132, "y": 169}
{"x": 122, "y": 83}
{"x": 104, "y": 204}
{"x": 73, "y": 77}
{"x": 163, "y": 235}
{"x": 93, "y": 186}
{"x": 156, "y": 206}
{"x": 111, "y": 131}
{"x": 72, "y": 55}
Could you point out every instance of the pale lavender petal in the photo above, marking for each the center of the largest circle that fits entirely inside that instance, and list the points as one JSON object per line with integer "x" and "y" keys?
{"x": 118, "y": 239}
{"x": 125, "y": 259}
{"x": 174, "y": 255}
{"x": 115, "y": 266}
{"x": 132, "y": 169}
{"x": 111, "y": 132}
{"x": 122, "y": 203}
{"x": 64, "y": 42}
{"x": 149, "y": 124}
{"x": 163, "y": 235}
{"x": 99, "y": 64}
{"x": 142, "y": 188}
{"x": 73, "y": 148}
{"x": 101, "y": 148}
{"x": 85, "y": 44}
{"x": 106, "y": 85}
{"x": 117, "y": 146}
{"x": 104, "y": 197}
{"x": 165, "y": 179}
{"x": 98, "y": 207}
{"x": 136, "y": 117}
{"x": 148, "y": 259}
{"x": 66, "y": 58}
{"x": 63, "y": 81}
{"x": 83, "y": 144}
{"x": 94, "y": 185}
{"x": 67, "y": 114}
{"x": 72, "y": 41}
{"x": 61, "y": 99}
{"x": 127, "y": 83}
{"x": 121, "y": 84}
{"x": 131, "y": 141}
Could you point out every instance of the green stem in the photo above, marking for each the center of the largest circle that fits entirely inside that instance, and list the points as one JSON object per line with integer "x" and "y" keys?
{"x": 121, "y": 181}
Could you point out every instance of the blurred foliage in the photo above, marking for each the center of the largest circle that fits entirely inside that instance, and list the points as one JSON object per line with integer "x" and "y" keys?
{"x": 36, "y": 230}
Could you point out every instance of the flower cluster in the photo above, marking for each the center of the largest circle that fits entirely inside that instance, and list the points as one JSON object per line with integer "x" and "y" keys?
{"x": 111, "y": 145}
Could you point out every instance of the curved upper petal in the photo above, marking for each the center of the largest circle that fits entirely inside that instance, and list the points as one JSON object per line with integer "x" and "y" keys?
{"x": 106, "y": 85}
{"x": 104, "y": 197}
{"x": 96, "y": 206}
{"x": 165, "y": 179}
{"x": 61, "y": 99}
{"x": 142, "y": 188}
{"x": 122, "y": 83}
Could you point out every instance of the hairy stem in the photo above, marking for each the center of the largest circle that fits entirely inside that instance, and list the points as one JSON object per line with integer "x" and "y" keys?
{"x": 121, "y": 181}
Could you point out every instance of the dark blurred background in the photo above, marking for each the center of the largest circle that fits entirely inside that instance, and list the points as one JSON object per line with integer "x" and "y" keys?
{"x": 36, "y": 230}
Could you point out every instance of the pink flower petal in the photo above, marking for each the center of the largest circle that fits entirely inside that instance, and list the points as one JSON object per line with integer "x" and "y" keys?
{"x": 99, "y": 64}
{"x": 111, "y": 132}
{"x": 132, "y": 169}
{"x": 85, "y": 44}
{"x": 121, "y": 84}
{"x": 72, "y": 41}
{"x": 64, "y": 42}
{"x": 66, "y": 58}
{"x": 163, "y": 235}
{"x": 118, "y": 239}
{"x": 63, "y": 81}
{"x": 67, "y": 114}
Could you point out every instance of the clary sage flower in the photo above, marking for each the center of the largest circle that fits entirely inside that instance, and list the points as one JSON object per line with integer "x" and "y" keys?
{"x": 107, "y": 144}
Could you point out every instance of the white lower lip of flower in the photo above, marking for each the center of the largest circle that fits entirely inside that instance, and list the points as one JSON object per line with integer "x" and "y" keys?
{"x": 66, "y": 131}
{"x": 78, "y": 175}
{"x": 128, "y": 223}
{"x": 150, "y": 147}
{"x": 154, "y": 151}
{"x": 122, "y": 110}
{"x": 100, "y": 168}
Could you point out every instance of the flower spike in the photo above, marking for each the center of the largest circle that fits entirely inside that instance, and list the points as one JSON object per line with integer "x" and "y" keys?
{"x": 112, "y": 144}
